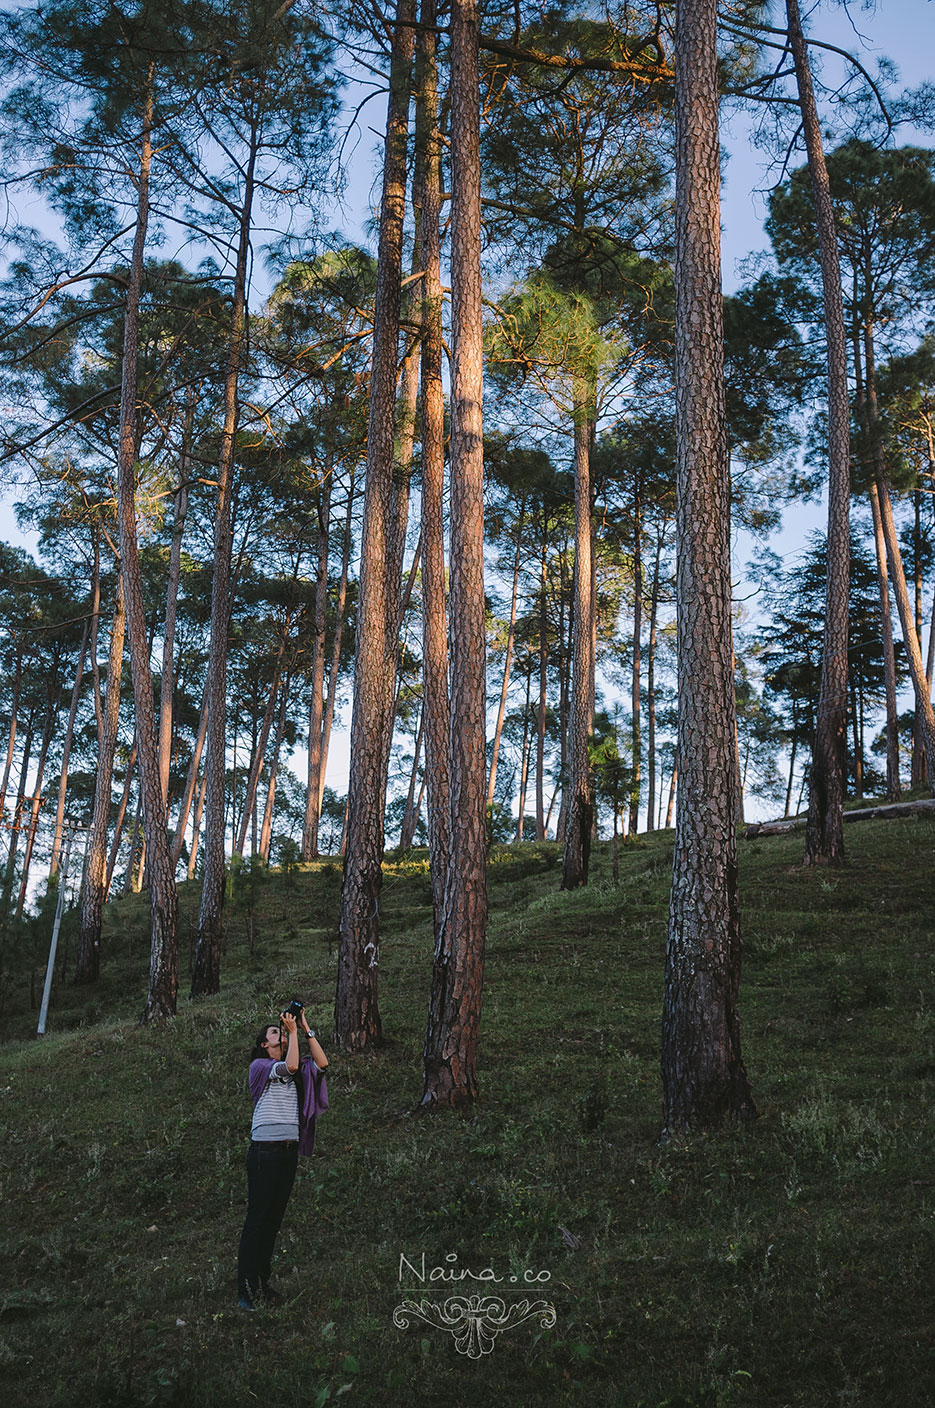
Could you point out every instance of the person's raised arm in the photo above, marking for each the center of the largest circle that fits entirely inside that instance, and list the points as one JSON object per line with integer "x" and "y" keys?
{"x": 292, "y": 1050}
{"x": 314, "y": 1046}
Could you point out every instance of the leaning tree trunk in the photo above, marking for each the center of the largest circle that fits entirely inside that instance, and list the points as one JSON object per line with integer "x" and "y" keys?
{"x": 206, "y": 967}
{"x": 450, "y": 1051}
{"x": 824, "y": 831}
{"x": 704, "y": 1081}
{"x": 94, "y": 893}
{"x": 923, "y": 694}
{"x": 120, "y": 819}
{"x": 580, "y": 810}
{"x": 434, "y": 614}
{"x": 356, "y": 1015}
{"x": 163, "y": 899}
{"x": 893, "y": 789}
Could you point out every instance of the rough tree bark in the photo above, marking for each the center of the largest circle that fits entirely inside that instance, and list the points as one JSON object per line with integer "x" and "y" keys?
{"x": 824, "y": 833}
{"x": 704, "y": 1081}
{"x": 450, "y": 1051}
{"x": 434, "y": 614}
{"x": 356, "y": 1014}
{"x": 163, "y": 899}
{"x": 206, "y": 967}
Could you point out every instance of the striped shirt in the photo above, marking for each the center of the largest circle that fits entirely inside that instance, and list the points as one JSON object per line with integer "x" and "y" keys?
{"x": 276, "y": 1113}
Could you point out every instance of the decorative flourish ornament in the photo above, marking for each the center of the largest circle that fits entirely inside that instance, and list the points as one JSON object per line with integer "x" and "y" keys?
{"x": 474, "y": 1321}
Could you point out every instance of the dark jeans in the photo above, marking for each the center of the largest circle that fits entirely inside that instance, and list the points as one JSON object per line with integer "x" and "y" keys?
{"x": 270, "y": 1175}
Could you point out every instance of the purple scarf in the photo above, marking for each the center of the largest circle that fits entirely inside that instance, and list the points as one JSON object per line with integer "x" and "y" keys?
{"x": 313, "y": 1095}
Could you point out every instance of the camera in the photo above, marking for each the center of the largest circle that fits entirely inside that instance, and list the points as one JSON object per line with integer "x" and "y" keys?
{"x": 295, "y": 1008}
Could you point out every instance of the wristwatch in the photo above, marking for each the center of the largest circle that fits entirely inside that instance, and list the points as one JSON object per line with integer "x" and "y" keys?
{"x": 310, "y": 1033}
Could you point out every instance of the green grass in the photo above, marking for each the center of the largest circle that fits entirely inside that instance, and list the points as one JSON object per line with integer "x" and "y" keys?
{"x": 788, "y": 1263}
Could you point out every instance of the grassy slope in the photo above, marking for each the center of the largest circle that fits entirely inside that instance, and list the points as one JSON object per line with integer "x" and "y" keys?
{"x": 788, "y": 1263}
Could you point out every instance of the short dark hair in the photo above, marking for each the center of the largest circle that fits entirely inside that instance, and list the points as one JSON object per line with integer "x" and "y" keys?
{"x": 259, "y": 1052}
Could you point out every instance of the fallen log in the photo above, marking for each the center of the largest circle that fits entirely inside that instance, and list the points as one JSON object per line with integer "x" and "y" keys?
{"x": 890, "y": 809}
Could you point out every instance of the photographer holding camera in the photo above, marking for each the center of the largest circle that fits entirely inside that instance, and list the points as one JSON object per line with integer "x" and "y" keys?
{"x": 288, "y": 1096}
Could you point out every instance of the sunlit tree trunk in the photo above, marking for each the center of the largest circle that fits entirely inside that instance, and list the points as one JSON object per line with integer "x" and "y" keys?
{"x": 95, "y": 887}
{"x": 434, "y": 610}
{"x": 317, "y": 673}
{"x": 178, "y": 840}
{"x": 167, "y": 679}
{"x": 266, "y": 830}
{"x": 704, "y": 1081}
{"x": 923, "y": 696}
{"x": 334, "y": 671}
{"x": 543, "y": 682}
{"x": 163, "y": 971}
{"x": 450, "y": 1051}
{"x": 206, "y": 967}
{"x": 824, "y": 831}
{"x": 356, "y": 1017}
{"x": 580, "y": 810}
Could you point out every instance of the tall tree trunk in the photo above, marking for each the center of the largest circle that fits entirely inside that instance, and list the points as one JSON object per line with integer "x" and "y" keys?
{"x": 334, "y": 670}
{"x": 178, "y": 840}
{"x": 408, "y": 825}
{"x": 167, "y": 680}
{"x": 543, "y": 680}
{"x": 206, "y": 965}
{"x": 66, "y": 751}
{"x": 196, "y": 827}
{"x": 32, "y": 827}
{"x": 317, "y": 673}
{"x": 16, "y": 827}
{"x": 637, "y": 739}
{"x": 450, "y": 1051}
{"x": 524, "y": 757}
{"x": 580, "y": 814}
{"x": 259, "y": 748}
{"x": 120, "y": 819}
{"x": 14, "y": 720}
{"x": 501, "y": 710}
{"x": 651, "y": 689}
{"x": 703, "y": 1078}
{"x": 436, "y": 711}
{"x": 824, "y": 831}
{"x": 907, "y": 621}
{"x": 889, "y": 654}
{"x": 266, "y": 831}
{"x": 163, "y": 969}
{"x": 88, "y": 962}
{"x": 673, "y": 783}
{"x": 910, "y": 639}
{"x": 917, "y": 774}
{"x": 357, "y": 1017}
{"x": 95, "y": 622}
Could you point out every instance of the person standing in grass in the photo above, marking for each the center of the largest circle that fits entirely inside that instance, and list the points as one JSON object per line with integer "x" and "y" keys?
{"x": 288, "y": 1096}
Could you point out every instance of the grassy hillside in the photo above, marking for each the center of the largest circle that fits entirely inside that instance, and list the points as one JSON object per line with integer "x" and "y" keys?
{"x": 789, "y": 1263}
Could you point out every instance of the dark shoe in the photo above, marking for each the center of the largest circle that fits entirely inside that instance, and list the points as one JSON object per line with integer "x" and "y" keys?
{"x": 245, "y": 1301}
{"x": 272, "y": 1295}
